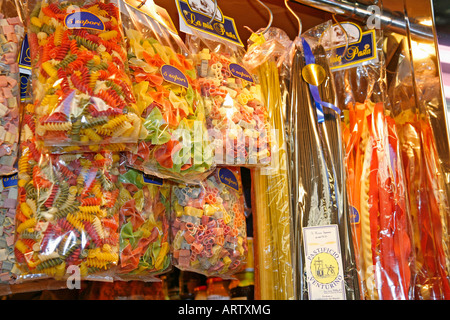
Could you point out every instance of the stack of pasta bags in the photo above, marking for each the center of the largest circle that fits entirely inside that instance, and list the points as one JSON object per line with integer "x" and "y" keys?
{"x": 117, "y": 176}
{"x": 83, "y": 110}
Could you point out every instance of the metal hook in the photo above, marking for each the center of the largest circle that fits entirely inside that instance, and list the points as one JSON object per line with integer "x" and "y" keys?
{"x": 345, "y": 33}
{"x": 296, "y": 16}
{"x": 214, "y": 13}
{"x": 271, "y": 16}
{"x": 141, "y": 4}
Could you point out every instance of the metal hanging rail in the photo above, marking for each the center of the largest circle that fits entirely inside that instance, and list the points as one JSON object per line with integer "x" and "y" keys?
{"x": 353, "y": 10}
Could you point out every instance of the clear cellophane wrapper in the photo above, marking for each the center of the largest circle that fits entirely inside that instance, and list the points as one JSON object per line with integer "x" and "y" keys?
{"x": 144, "y": 203}
{"x": 67, "y": 216}
{"x": 271, "y": 207}
{"x": 236, "y": 115}
{"x": 11, "y": 36}
{"x": 424, "y": 174}
{"x": 173, "y": 141}
{"x": 8, "y": 201}
{"x": 80, "y": 82}
{"x": 376, "y": 186}
{"x": 208, "y": 225}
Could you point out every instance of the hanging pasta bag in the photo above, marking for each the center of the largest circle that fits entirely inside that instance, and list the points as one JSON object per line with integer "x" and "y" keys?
{"x": 174, "y": 141}
{"x": 11, "y": 36}
{"x": 144, "y": 226}
{"x": 81, "y": 87}
{"x": 67, "y": 217}
{"x": 208, "y": 224}
{"x": 236, "y": 115}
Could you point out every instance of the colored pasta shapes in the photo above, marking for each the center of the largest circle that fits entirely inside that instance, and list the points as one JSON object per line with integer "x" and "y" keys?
{"x": 174, "y": 141}
{"x": 144, "y": 225}
{"x": 67, "y": 215}
{"x": 81, "y": 87}
{"x": 208, "y": 225}
{"x": 8, "y": 201}
{"x": 236, "y": 115}
{"x": 11, "y": 35}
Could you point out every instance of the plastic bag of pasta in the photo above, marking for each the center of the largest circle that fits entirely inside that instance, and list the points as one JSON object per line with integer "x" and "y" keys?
{"x": 81, "y": 87}
{"x": 144, "y": 203}
{"x": 67, "y": 217}
{"x": 174, "y": 141}
{"x": 8, "y": 201}
{"x": 411, "y": 94}
{"x": 11, "y": 36}
{"x": 208, "y": 225}
{"x": 379, "y": 214}
{"x": 236, "y": 115}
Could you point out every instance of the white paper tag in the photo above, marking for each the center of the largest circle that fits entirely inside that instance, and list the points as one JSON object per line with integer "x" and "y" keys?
{"x": 323, "y": 263}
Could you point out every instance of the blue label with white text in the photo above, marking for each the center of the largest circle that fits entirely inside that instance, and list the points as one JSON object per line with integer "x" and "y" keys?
{"x": 228, "y": 178}
{"x": 354, "y": 215}
{"x": 174, "y": 75}
{"x": 10, "y": 181}
{"x": 25, "y": 57}
{"x": 359, "y": 52}
{"x": 224, "y": 28}
{"x": 83, "y": 20}
{"x": 239, "y": 71}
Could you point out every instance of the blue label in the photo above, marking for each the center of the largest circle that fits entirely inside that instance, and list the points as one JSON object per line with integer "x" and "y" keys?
{"x": 239, "y": 71}
{"x": 10, "y": 181}
{"x": 153, "y": 180}
{"x": 359, "y": 52}
{"x": 84, "y": 20}
{"x": 174, "y": 75}
{"x": 228, "y": 178}
{"x": 25, "y": 57}
{"x": 354, "y": 215}
{"x": 225, "y": 29}
{"x": 25, "y": 80}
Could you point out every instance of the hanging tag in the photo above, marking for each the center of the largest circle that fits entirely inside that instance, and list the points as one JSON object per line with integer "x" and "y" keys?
{"x": 323, "y": 263}
{"x": 197, "y": 15}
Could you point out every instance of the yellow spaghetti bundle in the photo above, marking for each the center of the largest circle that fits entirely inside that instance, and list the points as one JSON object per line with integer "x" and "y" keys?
{"x": 271, "y": 202}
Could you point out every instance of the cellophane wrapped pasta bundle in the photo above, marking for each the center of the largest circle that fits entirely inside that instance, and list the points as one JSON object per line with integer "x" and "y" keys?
{"x": 67, "y": 217}
{"x": 11, "y": 36}
{"x": 174, "y": 141}
{"x": 424, "y": 173}
{"x": 271, "y": 205}
{"x": 80, "y": 82}
{"x": 144, "y": 226}
{"x": 208, "y": 225}
{"x": 380, "y": 219}
{"x": 236, "y": 115}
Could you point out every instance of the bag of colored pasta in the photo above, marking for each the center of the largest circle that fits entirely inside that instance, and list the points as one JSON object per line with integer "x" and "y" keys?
{"x": 80, "y": 81}
{"x": 380, "y": 218}
{"x": 236, "y": 115}
{"x": 11, "y": 36}
{"x": 67, "y": 219}
{"x": 208, "y": 225}
{"x": 174, "y": 141}
{"x": 144, "y": 215}
{"x": 8, "y": 202}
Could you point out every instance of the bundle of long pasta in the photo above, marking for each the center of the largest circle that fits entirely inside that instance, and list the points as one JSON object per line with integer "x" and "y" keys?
{"x": 380, "y": 220}
{"x": 271, "y": 196}
{"x": 424, "y": 173}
